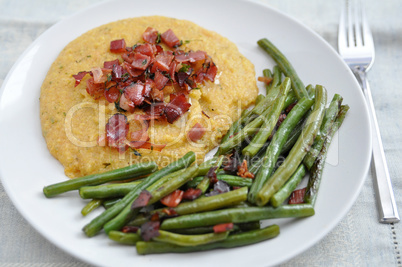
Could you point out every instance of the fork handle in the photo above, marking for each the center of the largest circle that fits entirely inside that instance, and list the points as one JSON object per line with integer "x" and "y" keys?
{"x": 386, "y": 200}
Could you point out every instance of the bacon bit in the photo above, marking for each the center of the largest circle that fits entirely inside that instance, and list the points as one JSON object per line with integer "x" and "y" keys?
{"x": 134, "y": 93}
{"x": 231, "y": 162}
{"x": 142, "y": 200}
{"x": 130, "y": 229}
{"x": 191, "y": 56}
{"x": 163, "y": 60}
{"x": 140, "y": 61}
{"x": 95, "y": 89}
{"x": 196, "y": 132}
{"x": 118, "y": 46}
{"x": 150, "y": 230}
{"x": 101, "y": 140}
{"x": 281, "y": 118}
{"x": 170, "y": 212}
{"x": 155, "y": 217}
{"x": 211, "y": 73}
{"x": 223, "y": 227}
{"x": 297, "y": 196}
{"x": 117, "y": 72}
{"x": 146, "y": 49}
{"x": 191, "y": 193}
{"x": 236, "y": 187}
{"x": 112, "y": 94}
{"x": 219, "y": 188}
{"x": 131, "y": 70}
{"x": 160, "y": 80}
{"x": 116, "y": 130}
{"x": 110, "y": 64}
{"x": 146, "y": 117}
{"x": 177, "y": 107}
{"x": 265, "y": 80}
{"x": 150, "y": 35}
{"x": 79, "y": 76}
{"x": 170, "y": 39}
{"x": 126, "y": 104}
{"x": 242, "y": 170}
{"x": 173, "y": 199}
{"x": 211, "y": 174}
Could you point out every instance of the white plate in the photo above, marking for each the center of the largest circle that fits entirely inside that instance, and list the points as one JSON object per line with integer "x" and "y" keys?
{"x": 27, "y": 166}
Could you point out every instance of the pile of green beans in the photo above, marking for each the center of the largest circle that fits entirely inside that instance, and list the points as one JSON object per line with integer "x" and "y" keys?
{"x": 283, "y": 139}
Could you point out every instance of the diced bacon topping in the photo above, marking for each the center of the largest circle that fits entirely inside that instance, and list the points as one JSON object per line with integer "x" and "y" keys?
{"x": 79, "y": 76}
{"x": 135, "y": 93}
{"x": 297, "y": 197}
{"x": 116, "y": 130}
{"x": 224, "y": 227}
{"x": 142, "y": 78}
{"x": 177, "y": 107}
{"x": 149, "y": 230}
{"x": 141, "y": 61}
{"x": 163, "y": 60}
{"x": 150, "y": 35}
{"x": 173, "y": 199}
{"x": 243, "y": 171}
{"x": 112, "y": 94}
{"x": 170, "y": 39}
{"x": 146, "y": 49}
{"x": 142, "y": 200}
{"x": 192, "y": 193}
{"x": 196, "y": 132}
{"x": 118, "y": 46}
{"x": 95, "y": 89}
{"x": 160, "y": 80}
{"x": 191, "y": 56}
{"x": 110, "y": 64}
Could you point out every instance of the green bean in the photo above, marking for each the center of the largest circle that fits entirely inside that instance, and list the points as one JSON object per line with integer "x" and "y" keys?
{"x": 285, "y": 67}
{"x": 289, "y": 187}
{"x": 248, "y": 130}
{"x": 204, "y": 167}
{"x": 96, "y": 224}
{"x": 299, "y": 150}
{"x": 108, "y": 190}
{"x": 294, "y": 135}
{"x": 124, "y": 238}
{"x": 234, "y": 128}
{"x": 318, "y": 167}
{"x": 131, "y": 171}
{"x": 330, "y": 115}
{"x": 276, "y": 76}
{"x": 229, "y": 179}
{"x": 237, "y": 215}
{"x": 190, "y": 240}
{"x": 235, "y": 240}
{"x": 290, "y": 99}
{"x": 209, "y": 229}
{"x": 93, "y": 204}
{"x": 269, "y": 124}
{"x": 268, "y": 74}
{"x": 275, "y": 147}
{"x": 259, "y": 99}
{"x": 108, "y": 203}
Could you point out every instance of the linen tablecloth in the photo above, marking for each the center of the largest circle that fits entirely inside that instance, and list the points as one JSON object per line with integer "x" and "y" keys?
{"x": 358, "y": 240}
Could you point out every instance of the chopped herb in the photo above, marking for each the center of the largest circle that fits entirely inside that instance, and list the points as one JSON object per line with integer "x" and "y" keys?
{"x": 109, "y": 77}
{"x": 184, "y": 68}
{"x": 152, "y": 148}
{"x": 196, "y": 88}
{"x": 158, "y": 39}
{"x": 89, "y": 56}
{"x": 64, "y": 114}
{"x": 136, "y": 152}
{"x": 144, "y": 62}
{"x": 134, "y": 46}
{"x": 106, "y": 164}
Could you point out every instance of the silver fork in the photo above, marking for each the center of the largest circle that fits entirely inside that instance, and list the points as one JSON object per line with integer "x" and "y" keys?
{"x": 356, "y": 46}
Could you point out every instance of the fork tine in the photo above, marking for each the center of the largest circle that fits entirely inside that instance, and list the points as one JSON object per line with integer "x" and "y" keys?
{"x": 351, "y": 38}
{"x": 357, "y": 19}
{"x": 367, "y": 36}
{"x": 342, "y": 41}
